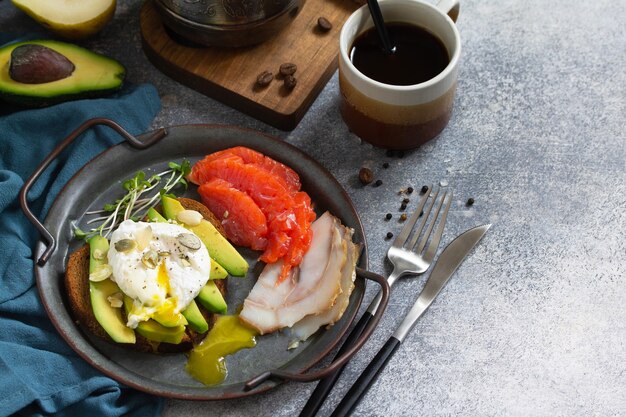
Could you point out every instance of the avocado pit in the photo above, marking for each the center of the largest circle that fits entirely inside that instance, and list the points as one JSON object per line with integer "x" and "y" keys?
{"x": 38, "y": 64}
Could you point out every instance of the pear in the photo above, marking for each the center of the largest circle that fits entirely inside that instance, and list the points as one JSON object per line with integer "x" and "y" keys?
{"x": 71, "y": 19}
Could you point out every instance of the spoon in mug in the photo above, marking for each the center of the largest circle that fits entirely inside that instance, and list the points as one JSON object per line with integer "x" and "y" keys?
{"x": 379, "y": 23}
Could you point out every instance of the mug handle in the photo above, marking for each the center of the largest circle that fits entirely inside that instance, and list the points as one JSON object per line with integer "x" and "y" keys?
{"x": 450, "y": 7}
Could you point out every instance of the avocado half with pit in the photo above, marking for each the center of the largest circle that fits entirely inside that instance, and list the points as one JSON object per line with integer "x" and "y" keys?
{"x": 92, "y": 75}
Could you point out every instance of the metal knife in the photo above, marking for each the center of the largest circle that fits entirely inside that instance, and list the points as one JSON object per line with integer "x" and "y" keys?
{"x": 450, "y": 259}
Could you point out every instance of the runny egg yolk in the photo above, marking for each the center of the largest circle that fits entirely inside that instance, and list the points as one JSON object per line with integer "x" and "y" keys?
{"x": 165, "y": 312}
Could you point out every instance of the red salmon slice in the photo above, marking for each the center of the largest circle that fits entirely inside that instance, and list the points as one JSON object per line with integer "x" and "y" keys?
{"x": 291, "y": 251}
{"x": 287, "y": 176}
{"x": 288, "y": 212}
{"x": 267, "y": 192}
{"x": 199, "y": 175}
{"x": 244, "y": 223}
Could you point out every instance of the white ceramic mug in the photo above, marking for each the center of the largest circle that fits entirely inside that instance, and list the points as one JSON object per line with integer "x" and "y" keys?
{"x": 397, "y": 116}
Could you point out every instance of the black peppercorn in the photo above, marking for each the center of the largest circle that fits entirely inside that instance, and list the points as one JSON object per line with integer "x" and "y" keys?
{"x": 470, "y": 201}
{"x": 386, "y": 165}
{"x": 424, "y": 189}
{"x": 406, "y": 201}
{"x": 378, "y": 183}
{"x": 389, "y": 235}
{"x": 388, "y": 216}
{"x": 402, "y": 206}
{"x": 409, "y": 190}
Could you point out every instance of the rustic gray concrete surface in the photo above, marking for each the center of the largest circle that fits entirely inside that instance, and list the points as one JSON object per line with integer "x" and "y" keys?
{"x": 533, "y": 323}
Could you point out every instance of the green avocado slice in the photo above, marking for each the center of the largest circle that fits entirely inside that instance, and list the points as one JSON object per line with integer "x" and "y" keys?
{"x": 110, "y": 318}
{"x": 195, "y": 319}
{"x": 94, "y": 75}
{"x": 211, "y": 298}
{"x": 219, "y": 248}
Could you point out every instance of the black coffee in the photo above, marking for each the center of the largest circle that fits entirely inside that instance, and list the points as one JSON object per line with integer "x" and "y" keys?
{"x": 418, "y": 57}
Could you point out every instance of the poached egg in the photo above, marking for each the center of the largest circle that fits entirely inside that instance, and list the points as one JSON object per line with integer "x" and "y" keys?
{"x": 161, "y": 266}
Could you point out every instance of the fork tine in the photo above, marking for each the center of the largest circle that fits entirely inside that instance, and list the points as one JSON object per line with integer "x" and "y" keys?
{"x": 406, "y": 230}
{"x": 429, "y": 230}
{"x": 432, "y": 248}
{"x": 424, "y": 218}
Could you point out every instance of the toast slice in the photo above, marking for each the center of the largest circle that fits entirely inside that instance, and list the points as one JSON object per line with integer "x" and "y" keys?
{"x": 77, "y": 288}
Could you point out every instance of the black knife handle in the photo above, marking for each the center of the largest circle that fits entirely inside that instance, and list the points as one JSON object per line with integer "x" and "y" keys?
{"x": 326, "y": 385}
{"x": 366, "y": 379}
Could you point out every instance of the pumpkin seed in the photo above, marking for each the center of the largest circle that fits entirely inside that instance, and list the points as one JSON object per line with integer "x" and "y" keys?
{"x": 189, "y": 240}
{"x": 100, "y": 273}
{"x": 189, "y": 217}
{"x": 125, "y": 245}
{"x": 115, "y": 300}
{"x": 150, "y": 259}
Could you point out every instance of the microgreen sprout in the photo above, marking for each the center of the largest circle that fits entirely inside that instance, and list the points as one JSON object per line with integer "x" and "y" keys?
{"x": 137, "y": 200}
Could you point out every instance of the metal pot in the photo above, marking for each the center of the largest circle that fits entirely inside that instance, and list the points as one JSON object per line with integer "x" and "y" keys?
{"x": 227, "y": 23}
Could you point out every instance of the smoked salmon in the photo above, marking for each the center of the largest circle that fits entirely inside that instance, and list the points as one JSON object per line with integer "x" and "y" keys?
{"x": 245, "y": 184}
{"x": 281, "y": 172}
{"x": 243, "y": 221}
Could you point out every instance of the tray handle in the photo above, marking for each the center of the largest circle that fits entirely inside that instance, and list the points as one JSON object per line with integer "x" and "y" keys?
{"x": 345, "y": 357}
{"x": 133, "y": 141}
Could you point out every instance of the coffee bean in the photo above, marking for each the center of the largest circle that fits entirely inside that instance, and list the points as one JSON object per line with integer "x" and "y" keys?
{"x": 288, "y": 68}
{"x": 366, "y": 175}
{"x": 264, "y": 79}
{"x": 290, "y": 82}
{"x": 324, "y": 24}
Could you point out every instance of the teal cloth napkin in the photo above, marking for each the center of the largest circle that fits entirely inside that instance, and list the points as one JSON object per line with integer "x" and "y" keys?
{"x": 39, "y": 373}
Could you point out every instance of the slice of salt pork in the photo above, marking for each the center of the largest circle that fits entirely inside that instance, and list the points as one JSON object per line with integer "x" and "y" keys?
{"x": 303, "y": 329}
{"x": 312, "y": 288}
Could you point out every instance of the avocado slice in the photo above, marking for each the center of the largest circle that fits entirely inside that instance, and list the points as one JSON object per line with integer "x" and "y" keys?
{"x": 195, "y": 318}
{"x": 219, "y": 248}
{"x": 152, "y": 330}
{"x": 217, "y": 270}
{"x": 211, "y": 298}
{"x": 169, "y": 320}
{"x": 155, "y": 216}
{"x": 94, "y": 75}
{"x": 110, "y": 318}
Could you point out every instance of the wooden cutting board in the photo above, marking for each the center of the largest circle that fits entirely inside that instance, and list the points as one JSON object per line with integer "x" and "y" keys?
{"x": 229, "y": 74}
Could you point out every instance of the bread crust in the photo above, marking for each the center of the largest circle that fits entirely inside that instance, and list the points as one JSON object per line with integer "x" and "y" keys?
{"x": 77, "y": 289}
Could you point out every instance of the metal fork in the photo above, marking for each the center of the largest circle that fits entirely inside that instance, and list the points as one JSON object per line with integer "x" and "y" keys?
{"x": 409, "y": 256}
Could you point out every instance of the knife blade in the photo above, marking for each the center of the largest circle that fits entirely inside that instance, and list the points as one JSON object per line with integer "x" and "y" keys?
{"x": 448, "y": 262}
{"x": 450, "y": 259}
